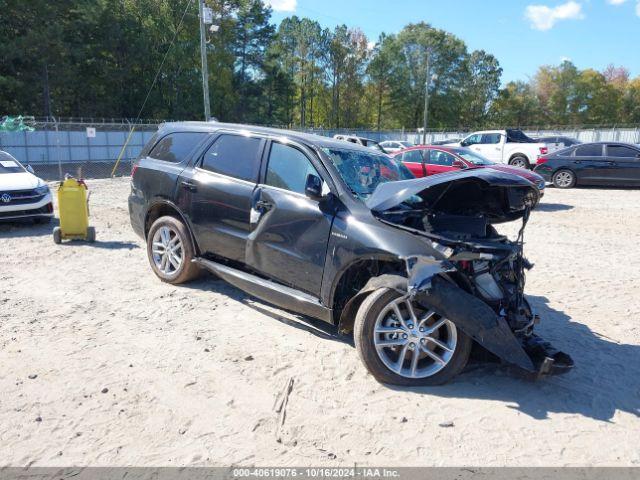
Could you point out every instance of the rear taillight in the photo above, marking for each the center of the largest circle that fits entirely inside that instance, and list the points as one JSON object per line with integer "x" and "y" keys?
{"x": 541, "y": 160}
{"x": 544, "y": 150}
{"x": 133, "y": 169}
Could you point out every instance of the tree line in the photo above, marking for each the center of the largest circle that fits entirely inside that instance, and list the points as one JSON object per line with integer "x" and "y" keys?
{"x": 99, "y": 58}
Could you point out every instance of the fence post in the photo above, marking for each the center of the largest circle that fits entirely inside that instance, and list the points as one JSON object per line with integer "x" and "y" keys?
{"x": 55, "y": 123}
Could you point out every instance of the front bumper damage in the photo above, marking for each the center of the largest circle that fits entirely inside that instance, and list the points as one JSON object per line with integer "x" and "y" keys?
{"x": 474, "y": 276}
{"x": 427, "y": 284}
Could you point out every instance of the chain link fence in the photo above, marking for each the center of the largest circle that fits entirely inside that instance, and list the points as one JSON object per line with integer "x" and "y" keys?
{"x": 85, "y": 149}
{"x": 100, "y": 148}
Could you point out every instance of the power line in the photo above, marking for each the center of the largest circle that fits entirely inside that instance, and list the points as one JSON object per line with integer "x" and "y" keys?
{"x": 155, "y": 79}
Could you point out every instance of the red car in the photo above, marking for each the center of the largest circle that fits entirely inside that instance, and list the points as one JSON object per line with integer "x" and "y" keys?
{"x": 425, "y": 160}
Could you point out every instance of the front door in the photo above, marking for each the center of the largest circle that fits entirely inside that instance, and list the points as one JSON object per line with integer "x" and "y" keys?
{"x": 590, "y": 165}
{"x": 289, "y": 231}
{"x": 216, "y": 194}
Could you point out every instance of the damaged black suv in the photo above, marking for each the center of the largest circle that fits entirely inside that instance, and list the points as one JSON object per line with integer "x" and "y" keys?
{"x": 342, "y": 233}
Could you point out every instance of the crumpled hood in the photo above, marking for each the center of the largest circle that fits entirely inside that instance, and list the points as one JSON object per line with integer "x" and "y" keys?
{"x": 499, "y": 196}
{"x": 18, "y": 181}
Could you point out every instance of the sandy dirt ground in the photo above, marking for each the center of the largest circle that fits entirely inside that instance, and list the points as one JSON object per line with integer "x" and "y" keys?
{"x": 102, "y": 364}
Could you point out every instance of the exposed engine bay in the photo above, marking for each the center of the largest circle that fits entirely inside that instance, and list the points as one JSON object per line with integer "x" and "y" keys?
{"x": 480, "y": 285}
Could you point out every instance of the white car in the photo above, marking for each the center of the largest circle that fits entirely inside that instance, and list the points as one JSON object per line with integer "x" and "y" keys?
{"x": 393, "y": 146}
{"x": 22, "y": 194}
{"x": 509, "y": 146}
{"x": 365, "y": 142}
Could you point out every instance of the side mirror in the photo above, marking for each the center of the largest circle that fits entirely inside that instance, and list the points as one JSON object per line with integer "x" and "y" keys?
{"x": 464, "y": 143}
{"x": 29, "y": 169}
{"x": 459, "y": 164}
{"x": 313, "y": 186}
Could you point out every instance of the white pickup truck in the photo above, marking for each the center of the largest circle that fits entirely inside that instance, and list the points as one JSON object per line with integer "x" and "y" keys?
{"x": 505, "y": 146}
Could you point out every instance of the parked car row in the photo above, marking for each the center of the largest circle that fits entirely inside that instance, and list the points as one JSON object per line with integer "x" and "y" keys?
{"x": 562, "y": 161}
{"x": 602, "y": 163}
{"x": 425, "y": 160}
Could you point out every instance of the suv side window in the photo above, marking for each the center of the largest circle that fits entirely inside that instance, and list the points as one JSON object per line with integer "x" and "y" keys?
{"x": 177, "y": 146}
{"x": 620, "y": 151}
{"x": 589, "y": 150}
{"x": 438, "y": 157}
{"x": 288, "y": 168}
{"x": 490, "y": 138}
{"x": 234, "y": 155}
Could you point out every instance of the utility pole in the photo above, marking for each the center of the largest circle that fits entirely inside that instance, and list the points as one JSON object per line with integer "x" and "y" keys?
{"x": 426, "y": 104}
{"x": 205, "y": 68}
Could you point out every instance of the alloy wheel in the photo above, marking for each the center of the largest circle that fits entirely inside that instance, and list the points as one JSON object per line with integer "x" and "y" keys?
{"x": 167, "y": 250}
{"x": 563, "y": 179}
{"x": 413, "y": 342}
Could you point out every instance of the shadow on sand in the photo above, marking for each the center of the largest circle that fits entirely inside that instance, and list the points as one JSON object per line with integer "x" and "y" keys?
{"x": 552, "y": 207}
{"x": 604, "y": 381}
{"x": 26, "y": 228}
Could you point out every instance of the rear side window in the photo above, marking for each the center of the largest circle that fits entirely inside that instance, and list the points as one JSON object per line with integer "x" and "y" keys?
{"x": 621, "y": 151}
{"x": 288, "y": 168}
{"x": 589, "y": 151}
{"x": 412, "y": 156}
{"x": 175, "y": 147}
{"x": 491, "y": 138}
{"x": 234, "y": 155}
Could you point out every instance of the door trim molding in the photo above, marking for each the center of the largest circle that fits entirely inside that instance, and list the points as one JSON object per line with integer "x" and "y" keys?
{"x": 270, "y": 291}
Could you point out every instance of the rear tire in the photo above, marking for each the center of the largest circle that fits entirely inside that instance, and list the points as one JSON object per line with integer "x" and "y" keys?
{"x": 372, "y": 318}
{"x": 170, "y": 251}
{"x": 520, "y": 161}
{"x": 564, "y": 179}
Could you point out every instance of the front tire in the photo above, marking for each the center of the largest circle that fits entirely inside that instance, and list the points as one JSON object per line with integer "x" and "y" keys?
{"x": 170, "y": 251}
{"x": 402, "y": 343}
{"x": 564, "y": 179}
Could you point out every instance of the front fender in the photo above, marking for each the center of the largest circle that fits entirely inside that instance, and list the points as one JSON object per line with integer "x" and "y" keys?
{"x": 426, "y": 284}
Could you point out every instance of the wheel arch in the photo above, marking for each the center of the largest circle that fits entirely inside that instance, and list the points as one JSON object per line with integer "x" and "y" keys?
{"x": 353, "y": 283}
{"x": 519, "y": 154}
{"x": 162, "y": 208}
{"x": 567, "y": 168}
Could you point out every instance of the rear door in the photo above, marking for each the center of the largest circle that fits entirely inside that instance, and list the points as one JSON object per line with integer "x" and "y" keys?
{"x": 289, "y": 230}
{"x": 439, "y": 161}
{"x": 624, "y": 164}
{"x": 164, "y": 163}
{"x": 413, "y": 160}
{"x": 216, "y": 193}
{"x": 590, "y": 165}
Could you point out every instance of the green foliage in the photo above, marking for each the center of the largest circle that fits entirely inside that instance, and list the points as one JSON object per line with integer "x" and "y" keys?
{"x": 99, "y": 58}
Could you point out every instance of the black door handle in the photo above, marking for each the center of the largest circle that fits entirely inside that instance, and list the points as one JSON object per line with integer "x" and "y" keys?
{"x": 612, "y": 163}
{"x": 189, "y": 186}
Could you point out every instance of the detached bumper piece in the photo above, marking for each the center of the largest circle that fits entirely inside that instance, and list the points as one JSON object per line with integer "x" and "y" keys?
{"x": 475, "y": 318}
{"x": 546, "y": 359}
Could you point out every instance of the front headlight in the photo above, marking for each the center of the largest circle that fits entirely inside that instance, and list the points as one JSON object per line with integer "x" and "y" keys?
{"x": 42, "y": 190}
{"x": 541, "y": 184}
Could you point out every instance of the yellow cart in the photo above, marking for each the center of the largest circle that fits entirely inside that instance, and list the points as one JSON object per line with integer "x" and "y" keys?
{"x": 73, "y": 204}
